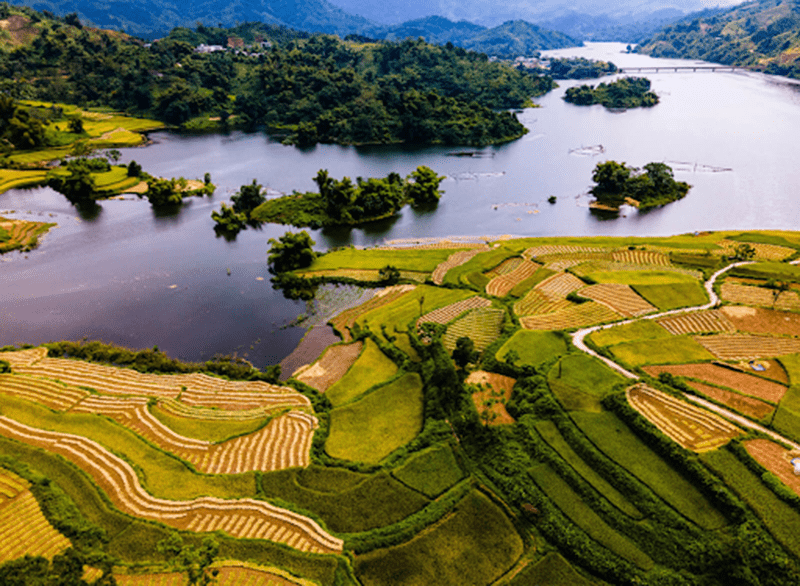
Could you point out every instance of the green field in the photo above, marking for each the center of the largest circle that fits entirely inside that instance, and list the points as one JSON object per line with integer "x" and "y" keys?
{"x": 371, "y": 368}
{"x": 550, "y": 434}
{"x": 779, "y": 271}
{"x": 162, "y": 474}
{"x": 640, "y": 330}
{"x": 482, "y": 326}
{"x": 431, "y": 471}
{"x": 674, "y": 350}
{"x": 584, "y": 517}
{"x": 781, "y": 519}
{"x": 520, "y": 289}
{"x": 216, "y": 430}
{"x": 473, "y": 546}
{"x": 787, "y": 239}
{"x": 373, "y": 501}
{"x": 579, "y": 382}
{"x": 791, "y": 362}
{"x": 787, "y": 417}
{"x": 552, "y": 570}
{"x": 471, "y": 272}
{"x": 643, "y": 277}
{"x": 404, "y": 260}
{"x": 673, "y": 295}
{"x": 534, "y": 347}
{"x": 619, "y": 443}
{"x": 369, "y": 429}
{"x": 10, "y": 179}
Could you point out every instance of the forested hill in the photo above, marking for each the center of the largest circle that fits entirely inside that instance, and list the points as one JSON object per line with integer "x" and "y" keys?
{"x": 151, "y": 18}
{"x": 764, "y": 35}
{"x": 303, "y": 89}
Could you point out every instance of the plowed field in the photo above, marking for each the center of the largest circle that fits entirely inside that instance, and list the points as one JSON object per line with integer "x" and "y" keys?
{"x": 757, "y": 320}
{"x": 331, "y": 367}
{"x": 697, "y": 322}
{"x": 719, "y": 375}
{"x": 775, "y": 459}
{"x": 749, "y": 406}
{"x": 620, "y": 298}
{"x": 743, "y": 346}
{"x": 495, "y": 392}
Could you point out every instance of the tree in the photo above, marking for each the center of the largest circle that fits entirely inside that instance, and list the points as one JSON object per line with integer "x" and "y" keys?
{"x": 134, "y": 169}
{"x": 163, "y": 192}
{"x": 389, "y": 275}
{"x": 291, "y": 252}
{"x": 743, "y": 252}
{"x": 464, "y": 352}
{"x": 248, "y": 198}
{"x": 75, "y": 125}
{"x": 422, "y": 186}
{"x": 228, "y": 220}
{"x": 78, "y": 184}
{"x": 191, "y": 559}
{"x": 612, "y": 179}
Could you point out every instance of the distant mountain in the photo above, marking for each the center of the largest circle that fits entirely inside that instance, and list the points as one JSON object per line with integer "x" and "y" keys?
{"x": 433, "y": 29}
{"x": 590, "y": 27}
{"x": 151, "y": 18}
{"x": 763, "y": 35}
{"x": 517, "y": 37}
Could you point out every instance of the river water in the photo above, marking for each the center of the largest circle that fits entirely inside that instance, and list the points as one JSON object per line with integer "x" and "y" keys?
{"x": 133, "y": 277}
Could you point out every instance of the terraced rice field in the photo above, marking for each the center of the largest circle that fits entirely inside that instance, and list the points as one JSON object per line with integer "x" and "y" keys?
{"x": 243, "y": 518}
{"x": 345, "y": 320}
{"x": 599, "y": 266}
{"x": 454, "y": 260}
{"x": 548, "y": 249}
{"x": 537, "y": 303}
{"x": 331, "y": 367}
{"x": 693, "y": 428}
{"x": 743, "y": 346}
{"x": 749, "y": 406}
{"x": 283, "y": 443}
{"x": 448, "y": 313}
{"x": 640, "y": 257}
{"x": 776, "y": 459}
{"x": 502, "y": 285}
{"x": 434, "y": 244}
{"x": 620, "y": 298}
{"x": 560, "y": 285}
{"x": 21, "y": 234}
{"x": 558, "y": 265}
{"x": 365, "y": 275}
{"x": 719, "y": 375}
{"x": 750, "y": 295}
{"x": 24, "y": 357}
{"x": 509, "y": 265}
{"x": 161, "y": 579}
{"x": 24, "y": 530}
{"x": 52, "y": 394}
{"x": 697, "y": 322}
{"x": 496, "y": 391}
{"x": 575, "y": 316}
{"x": 757, "y": 320}
{"x": 179, "y": 409}
{"x": 763, "y": 251}
{"x": 481, "y": 325}
{"x": 251, "y": 575}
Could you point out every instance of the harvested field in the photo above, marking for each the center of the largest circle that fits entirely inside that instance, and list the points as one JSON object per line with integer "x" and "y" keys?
{"x": 719, "y": 375}
{"x": 448, "y": 313}
{"x": 776, "y": 459}
{"x": 763, "y": 251}
{"x": 24, "y": 530}
{"x": 749, "y": 406}
{"x": 640, "y": 257}
{"x": 455, "y": 259}
{"x": 548, "y": 249}
{"x": 560, "y": 285}
{"x": 509, "y": 265}
{"x": 481, "y": 325}
{"x": 697, "y": 322}
{"x": 431, "y": 244}
{"x": 46, "y": 392}
{"x": 179, "y": 409}
{"x": 495, "y": 392}
{"x": 749, "y": 295}
{"x": 160, "y": 579}
{"x": 744, "y": 346}
{"x": 559, "y": 265}
{"x": 232, "y": 573}
{"x": 763, "y": 321}
{"x": 600, "y": 266}
{"x": 24, "y": 357}
{"x": 537, "y": 303}
{"x": 692, "y": 427}
{"x": 502, "y": 285}
{"x": 575, "y": 316}
{"x": 331, "y": 367}
{"x": 345, "y": 320}
{"x": 243, "y": 518}
{"x": 620, "y": 298}
{"x": 285, "y": 442}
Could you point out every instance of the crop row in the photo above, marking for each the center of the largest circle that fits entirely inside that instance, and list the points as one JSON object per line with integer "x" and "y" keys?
{"x": 597, "y": 266}
{"x": 575, "y": 316}
{"x": 641, "y": 257}
{"x": 502, "y": 285}
{"x": 52, "y": 394}
{"x": 482, "y": 326}
{"x": 163, "y": 579}
{"x": 741, "y": 346}
{"x": 448, "y": 313}
{"x": 697, "y": 322}
{"x": 690, "y": 426}
{"x": 763, "y": 251}
{"x": 284, "y": 443}
{"x": 537, "y": 303}
{"x": 776, "y": 459}
{"x": 749, "y": 295}
{"x": 252, "y": 575}
{"x": 549, "y": 249}
{"x": 345, "y": 320}
{"x": 454, "y": 260}
{"x": 749, "y": 406}
{"x": 437, "y": 245}
{"x": 182, "y": 410}
{"x": 11, "y": 485}
{"x": 243, "y": 518}
{"x": 24, "y": 530}
{"x": 620, "y": 298}
{"x": 509, "y": 265}
{"x": 560, "y": 285}
{"x": 24, "y": 357}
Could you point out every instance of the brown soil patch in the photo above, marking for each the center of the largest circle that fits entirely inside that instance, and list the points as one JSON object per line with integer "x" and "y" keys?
{"x": 744, "y": 405}
{"x": 19, "y": 28}
{"x": 331, "y": 367}
{"x": 496, "y": 391}
{"x": 248, "y": 576}
{"x": 775, "y": 459}
{"x": 744, "y": 383}
{"x": 764, "y": 321}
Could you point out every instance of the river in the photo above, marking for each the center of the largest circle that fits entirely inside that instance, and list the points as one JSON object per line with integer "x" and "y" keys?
{"x": 130, "y": 276}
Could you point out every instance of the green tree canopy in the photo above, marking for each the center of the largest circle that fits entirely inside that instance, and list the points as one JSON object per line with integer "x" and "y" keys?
{"x": 290, "y": 252}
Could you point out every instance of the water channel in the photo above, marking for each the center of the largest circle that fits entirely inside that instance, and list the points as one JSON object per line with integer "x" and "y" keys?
{"x": 131, "y": 276}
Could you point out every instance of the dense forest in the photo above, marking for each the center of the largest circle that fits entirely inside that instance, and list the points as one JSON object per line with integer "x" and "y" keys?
{"x": 763, "y": 35}
{"x": 628, "y": 92}
{"x": 305, "y": 90}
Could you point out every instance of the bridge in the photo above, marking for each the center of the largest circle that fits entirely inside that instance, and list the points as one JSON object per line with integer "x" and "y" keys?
{"x": 679, "y": 68}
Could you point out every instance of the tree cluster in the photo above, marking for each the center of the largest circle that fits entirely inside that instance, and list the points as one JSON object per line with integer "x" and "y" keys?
{"x": 580, "y": 68}
{"x": 650, "y": 186}
{"x": 18, "y": 129}
{"x": 628, "y": 92}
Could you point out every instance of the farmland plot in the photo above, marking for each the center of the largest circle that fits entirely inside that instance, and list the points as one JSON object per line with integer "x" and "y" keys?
{"x": 24, "y": 530}
{"x": 448, "y": 313}
{"x": 629, "y": 270}
{"x": 502, "y": 285}
{"x": 537, "y": 303}
{"x": 763, "y": 251}
{"x": 160, "y": 579}
{"x": 246, "y": 574}
{"x": 560, "y": 285}
{"x": 24, "y": 357}
{"x": 748, "y": 406}
{"x": 575, "y": 316}
{"x": 640, "y": 257}
{"x": 365, "y": 275}
{"x": 243, "y": 518}
{"x": 697, "y": 322}
{"x": 756, "y": 320}
{"x": 548, "y": 249}
{"x": 46, "y": 392}
{"x": 331, "y": 367}
{"x": 743, "y": 346}
{"x": 692, "y": 427}
{"x": 454, "y": 260}
{"x": 621, "y": 298}
{"x": 776, "y": 459}
{"x": 494, "y": 391}
{"x": 746, "y": 384}
{"x": 750, "y": 295}
{"x": 482, "y": 326}
{"x": 343, "y": 321}
{"x": 509, "y": 265}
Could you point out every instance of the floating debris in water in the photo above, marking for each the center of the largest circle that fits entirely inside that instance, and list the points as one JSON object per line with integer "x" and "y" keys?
{"x": 173, "y": 286}
{"x": 588, "y": 151}
{"x": 684, "y": 167}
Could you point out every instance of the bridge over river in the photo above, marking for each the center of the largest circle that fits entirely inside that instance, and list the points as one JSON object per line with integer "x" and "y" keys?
{"x": 680, "y": 68}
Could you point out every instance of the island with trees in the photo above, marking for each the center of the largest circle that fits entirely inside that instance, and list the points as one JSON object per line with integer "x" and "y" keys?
{"x": 628, "y": 92}
{"x": 653, "y": 185}
{"x": 580, "y": 68}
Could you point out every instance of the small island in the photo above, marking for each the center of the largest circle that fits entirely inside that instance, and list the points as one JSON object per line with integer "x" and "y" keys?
{"x": 580, "y": 68}
{"x": 651, "y": 186}
{"x": 628, "y": 92}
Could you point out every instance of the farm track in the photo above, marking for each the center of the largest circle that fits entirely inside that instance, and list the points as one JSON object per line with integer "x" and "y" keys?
{"x": 454, "y": 260}
{"x": 243, "y": 518}
{"x": 345, "y": 320}
{"x": 502, "y": 285}
{"x": 698, "y": 322}
{"x": 620, "y": 298}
